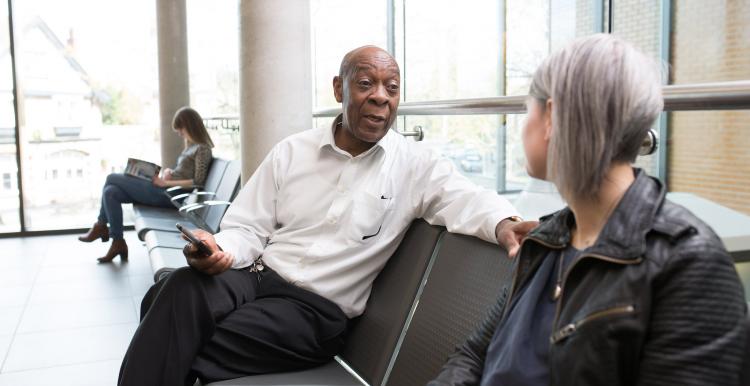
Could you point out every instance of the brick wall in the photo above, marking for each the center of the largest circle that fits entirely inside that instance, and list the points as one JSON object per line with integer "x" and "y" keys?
{"x": 709, "y": 152}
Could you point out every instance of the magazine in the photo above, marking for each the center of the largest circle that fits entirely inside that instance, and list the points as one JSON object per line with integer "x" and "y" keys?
{"x": 141, "y": 169}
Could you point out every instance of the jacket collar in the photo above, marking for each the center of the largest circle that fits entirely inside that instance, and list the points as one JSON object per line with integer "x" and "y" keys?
{"x": 624, "y": 234}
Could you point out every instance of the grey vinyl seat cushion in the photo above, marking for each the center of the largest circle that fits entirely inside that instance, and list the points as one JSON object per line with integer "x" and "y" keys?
{"x": 375, "y": 335}
{"x": 165, "y": 260}
{"x": 164, "y": 239}
{"x": 141, "y": 210}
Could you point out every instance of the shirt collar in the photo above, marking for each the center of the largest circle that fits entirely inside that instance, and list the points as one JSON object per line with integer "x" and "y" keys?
{"x": 386, "y": 143}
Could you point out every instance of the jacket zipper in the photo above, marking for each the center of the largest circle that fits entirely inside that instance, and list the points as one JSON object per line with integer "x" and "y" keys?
{"x": 570, "y": 328}
{"x": 515, "y": 275}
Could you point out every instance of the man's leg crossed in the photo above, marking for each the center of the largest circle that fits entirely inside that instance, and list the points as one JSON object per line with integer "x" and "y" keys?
{"x": 178, "y": 317}
{"x": 285, "y": 328}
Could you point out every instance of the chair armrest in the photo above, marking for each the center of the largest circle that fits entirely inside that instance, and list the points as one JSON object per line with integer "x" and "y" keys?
{"x": 186, "y": 195}
{"x": 193, "y": 207}
{"x": 183, "y": 209}
{"x": 175, "y": 190}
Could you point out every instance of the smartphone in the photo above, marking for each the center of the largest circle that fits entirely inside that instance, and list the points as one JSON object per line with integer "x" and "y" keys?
{"x": 202, "y": 247}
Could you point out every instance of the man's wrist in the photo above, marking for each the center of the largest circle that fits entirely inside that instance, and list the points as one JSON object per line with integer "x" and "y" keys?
{"x": 513, "y": 219}
{"x": 507, "y": 220}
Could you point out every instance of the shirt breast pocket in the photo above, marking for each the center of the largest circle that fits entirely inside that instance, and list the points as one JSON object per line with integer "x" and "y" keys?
{"x": 368, "y": 214}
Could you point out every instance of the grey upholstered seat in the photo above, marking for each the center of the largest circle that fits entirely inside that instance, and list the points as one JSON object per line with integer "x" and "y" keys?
{"x": 215, "y": 174}
{"x": 206, "y": 215}
{"x": 464, "y": 282}
{"x": 375, "y": 335}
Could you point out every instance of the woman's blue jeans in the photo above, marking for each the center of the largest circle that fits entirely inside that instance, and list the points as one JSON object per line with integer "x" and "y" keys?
{"x": 123, "y": 189}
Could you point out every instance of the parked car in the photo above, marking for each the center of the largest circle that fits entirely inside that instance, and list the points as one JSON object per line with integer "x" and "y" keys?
{"x": 472, "y": 162}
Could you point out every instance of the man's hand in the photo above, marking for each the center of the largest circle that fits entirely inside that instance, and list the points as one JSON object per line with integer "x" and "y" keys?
{"x": 509, "y": 234}
{"x": 214, "y": 264}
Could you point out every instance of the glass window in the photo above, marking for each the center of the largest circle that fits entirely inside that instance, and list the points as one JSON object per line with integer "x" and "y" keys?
{"x": 640, "y": 23}
{"x": 89, "y": 101}
{"x": 450, "y": 50}
{"x": 338, "y": 26}
{"x": 709, "y": 153}
{"x": 10, "y": 220}
{"x": 213, "y": 55}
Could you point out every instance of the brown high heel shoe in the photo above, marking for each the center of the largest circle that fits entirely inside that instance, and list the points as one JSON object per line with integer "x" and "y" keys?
{"x": 99, "y": 230}
{"x": 118, "y": 247}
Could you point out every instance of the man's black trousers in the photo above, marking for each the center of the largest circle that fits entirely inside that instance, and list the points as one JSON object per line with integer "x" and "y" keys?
{"x": 227, "y": 326}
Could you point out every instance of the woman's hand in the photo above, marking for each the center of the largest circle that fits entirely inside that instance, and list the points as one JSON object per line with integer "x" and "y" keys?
{"x": 158, "y": 181}
{"x": 166, "y": 174}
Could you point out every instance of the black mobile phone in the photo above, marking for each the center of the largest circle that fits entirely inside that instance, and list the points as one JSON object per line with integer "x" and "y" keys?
{"x": 202, "y": 247}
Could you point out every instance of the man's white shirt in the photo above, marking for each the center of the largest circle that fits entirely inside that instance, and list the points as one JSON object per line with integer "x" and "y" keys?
{"x": 328, "y": 222}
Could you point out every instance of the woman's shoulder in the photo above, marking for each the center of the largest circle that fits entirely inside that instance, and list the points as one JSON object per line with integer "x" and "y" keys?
{"x": 684, "y": 231}
{"x": 196, "y": 148}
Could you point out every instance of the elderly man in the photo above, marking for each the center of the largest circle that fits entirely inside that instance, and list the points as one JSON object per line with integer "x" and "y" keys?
{"x": 303, "y": 241}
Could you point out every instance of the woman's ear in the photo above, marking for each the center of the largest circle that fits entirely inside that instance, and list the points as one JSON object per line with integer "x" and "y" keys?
{"x": 548, "y": 120}
{"x": 338, "y": 89}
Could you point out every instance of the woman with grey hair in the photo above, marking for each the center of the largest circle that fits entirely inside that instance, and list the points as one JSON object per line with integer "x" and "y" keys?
{"x": 621, "y": 287}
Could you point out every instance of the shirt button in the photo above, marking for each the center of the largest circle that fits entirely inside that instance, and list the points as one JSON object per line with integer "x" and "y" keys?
{"x": 341, "y": 189}
{"x": 332, "y": 221}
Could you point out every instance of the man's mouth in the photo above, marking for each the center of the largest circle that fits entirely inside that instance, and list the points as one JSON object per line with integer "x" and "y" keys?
{"x": 375, "y": 118}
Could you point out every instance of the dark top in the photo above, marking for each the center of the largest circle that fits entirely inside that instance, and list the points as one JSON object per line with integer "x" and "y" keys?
{"x": 517, "y": 354}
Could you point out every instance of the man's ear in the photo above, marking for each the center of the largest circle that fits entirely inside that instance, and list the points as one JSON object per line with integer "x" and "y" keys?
{"x": 338, "y": 89}
{"x": 548, "y": 120}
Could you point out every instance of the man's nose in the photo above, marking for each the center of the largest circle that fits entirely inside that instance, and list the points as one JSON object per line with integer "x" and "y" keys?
{"x": 379, "y": 95}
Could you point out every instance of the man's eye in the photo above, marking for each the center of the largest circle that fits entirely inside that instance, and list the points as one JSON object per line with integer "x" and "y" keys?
{"x": 393, "y": 87}
{"x": 364, "y": 83}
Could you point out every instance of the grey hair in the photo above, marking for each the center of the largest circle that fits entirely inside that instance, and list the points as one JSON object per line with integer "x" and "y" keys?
{"x": 605, "y": 96}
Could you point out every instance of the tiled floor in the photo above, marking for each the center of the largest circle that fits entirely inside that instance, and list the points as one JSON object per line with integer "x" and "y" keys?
{"x": 64, "y": 319}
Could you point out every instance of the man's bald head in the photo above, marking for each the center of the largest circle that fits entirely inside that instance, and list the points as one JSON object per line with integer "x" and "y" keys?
{"x": 351, "y": 59}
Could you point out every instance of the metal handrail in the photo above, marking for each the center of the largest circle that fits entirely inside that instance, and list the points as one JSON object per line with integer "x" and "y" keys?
{"x": 702, "y": 96}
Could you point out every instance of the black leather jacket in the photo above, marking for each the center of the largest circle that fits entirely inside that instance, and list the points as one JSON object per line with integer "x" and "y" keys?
{"x": 655, "y": 301}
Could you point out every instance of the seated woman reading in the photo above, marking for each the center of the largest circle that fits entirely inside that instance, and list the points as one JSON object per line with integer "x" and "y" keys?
{"x": 622, "y": 287}
{"x": 192, "y": 168}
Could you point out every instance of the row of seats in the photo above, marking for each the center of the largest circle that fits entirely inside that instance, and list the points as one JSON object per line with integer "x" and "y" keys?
{"x": 195, "y": 207}
{"x": 435, "y": 290}
{"x": 431, "y": 294}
